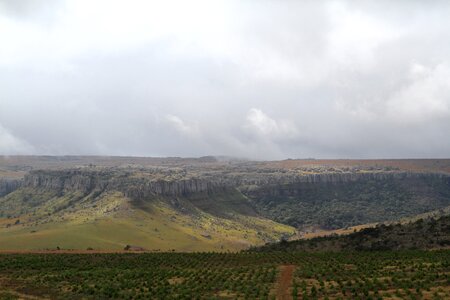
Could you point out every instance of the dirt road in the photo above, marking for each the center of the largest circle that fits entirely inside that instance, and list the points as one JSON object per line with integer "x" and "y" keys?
{"x": 285, "y": 282}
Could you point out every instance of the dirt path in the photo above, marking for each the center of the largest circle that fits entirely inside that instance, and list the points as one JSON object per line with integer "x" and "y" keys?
{"x": 285, "y": 282}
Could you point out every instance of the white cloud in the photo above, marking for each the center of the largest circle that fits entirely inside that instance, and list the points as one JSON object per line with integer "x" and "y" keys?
{"x": 356, "y": 34}
{"x": 266, "y": 79}
{"x": 183, "y": 127}
{"x": 425, "y": 98}
{"x": 260, "y": 123}
{"x": 9, "y": 144}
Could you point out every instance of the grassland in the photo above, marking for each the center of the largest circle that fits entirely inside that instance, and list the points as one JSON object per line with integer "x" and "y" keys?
{"x": 43, "y": 220}
{"x": 245, "y": 275}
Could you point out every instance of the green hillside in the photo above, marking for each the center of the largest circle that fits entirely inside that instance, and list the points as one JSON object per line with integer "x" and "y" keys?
{"x": 39, "y": 219}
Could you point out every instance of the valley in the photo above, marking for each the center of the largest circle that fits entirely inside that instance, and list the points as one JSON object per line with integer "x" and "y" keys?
{"x": 202, "y": 204}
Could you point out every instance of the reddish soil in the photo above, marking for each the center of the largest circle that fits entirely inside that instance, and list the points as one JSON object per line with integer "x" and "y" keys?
{"x": 285, "y": 282}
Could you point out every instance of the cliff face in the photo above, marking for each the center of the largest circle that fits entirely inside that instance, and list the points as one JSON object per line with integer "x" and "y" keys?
{"x": 293, "y": 186}
{"x": 86, "y": 182}
{"x": 66, "y": 181}
{"x": 338, "y": 177}
{"x": 8, "y": 186}
{"x": 251, "y": 184}
{"x": 142, "y": 189}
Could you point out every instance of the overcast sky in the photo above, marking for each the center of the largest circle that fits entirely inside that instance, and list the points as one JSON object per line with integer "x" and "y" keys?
{"x": 256, "y": 79}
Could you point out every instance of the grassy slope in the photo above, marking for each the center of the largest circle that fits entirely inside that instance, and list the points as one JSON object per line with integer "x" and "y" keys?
{"x": 110, "y": 222}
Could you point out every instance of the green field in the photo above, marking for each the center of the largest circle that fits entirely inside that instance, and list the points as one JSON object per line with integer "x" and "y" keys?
{"x": 243, "y": 275}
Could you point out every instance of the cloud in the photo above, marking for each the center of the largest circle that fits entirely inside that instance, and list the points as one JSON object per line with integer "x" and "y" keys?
{"x": 425, "y": 98}
{"x": 356, "y": 34}
{"x": 261, "y": 124}
{"x": 190, "y": 130}
{"x": 9, "y": 144}
{"x": 321, "y": 79}
{"x": 28, "y": 8}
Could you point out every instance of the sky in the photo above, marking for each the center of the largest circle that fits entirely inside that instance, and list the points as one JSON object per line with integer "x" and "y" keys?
{"x": 252, "y": 79}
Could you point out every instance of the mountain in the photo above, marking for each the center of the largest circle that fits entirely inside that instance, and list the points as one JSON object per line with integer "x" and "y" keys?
{"x": 208, "y": 203}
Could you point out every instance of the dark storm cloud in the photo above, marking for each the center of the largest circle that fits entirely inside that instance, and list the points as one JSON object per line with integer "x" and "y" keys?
{"x": 261, "y": 79}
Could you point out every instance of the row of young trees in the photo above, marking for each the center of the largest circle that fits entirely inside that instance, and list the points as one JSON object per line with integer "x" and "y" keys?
{"x": 247, "y": 275}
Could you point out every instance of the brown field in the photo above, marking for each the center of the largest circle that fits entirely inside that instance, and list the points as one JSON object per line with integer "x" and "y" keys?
{"x": 13, "y": 166}
{"x": 415, "y": 165}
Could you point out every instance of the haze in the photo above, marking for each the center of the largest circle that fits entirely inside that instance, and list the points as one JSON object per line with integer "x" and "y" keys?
{"x": 256, "y": 79}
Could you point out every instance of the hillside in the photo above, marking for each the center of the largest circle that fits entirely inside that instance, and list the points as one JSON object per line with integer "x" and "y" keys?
{"x": 110, "y": 220}
{"x": 207, "y": 203}
{"x": 422, "y": 234}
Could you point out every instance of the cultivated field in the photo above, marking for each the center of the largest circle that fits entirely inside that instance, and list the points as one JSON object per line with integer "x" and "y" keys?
{"x": 244, "y": 275}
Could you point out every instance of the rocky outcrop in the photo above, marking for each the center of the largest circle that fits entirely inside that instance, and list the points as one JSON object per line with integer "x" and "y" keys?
{"x": 67, "y": 180}
{"x": 141, "y": 187}
{"x": 343, "y": 177}
{"x": 8, "y": 186}
{"x": 133, "y": 187}
{"x": 334, "y": 178}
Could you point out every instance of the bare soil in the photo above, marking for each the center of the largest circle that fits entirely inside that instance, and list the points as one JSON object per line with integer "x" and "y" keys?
{"x": 284, "y": 282}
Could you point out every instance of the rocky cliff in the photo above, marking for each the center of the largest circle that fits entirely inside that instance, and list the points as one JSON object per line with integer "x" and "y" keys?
{"x": 130, "y": 185}
{"x": 293, "y": 185}
{"x": 8, "y": 185}
{"x": 147, "y": 185}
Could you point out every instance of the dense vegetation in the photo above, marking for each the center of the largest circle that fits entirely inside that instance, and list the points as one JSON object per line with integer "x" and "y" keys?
{"x": 339, "y": 205}
{"x": 427, "y": 233}
{"x": 247, "y": 275}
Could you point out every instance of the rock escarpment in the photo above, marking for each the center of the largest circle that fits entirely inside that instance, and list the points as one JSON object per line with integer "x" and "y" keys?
{"x": 130, "y": 185}
{"x": 8, "y": 186}
{"x": 294, "y": 185}
{"x": 147, "y": 185}
{"x": 67, "y": 180}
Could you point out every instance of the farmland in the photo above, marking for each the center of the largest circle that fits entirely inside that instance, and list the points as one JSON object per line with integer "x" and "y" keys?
{"x": 242, "y": 275}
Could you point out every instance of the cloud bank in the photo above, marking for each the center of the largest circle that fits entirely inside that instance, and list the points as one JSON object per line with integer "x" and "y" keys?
{"x": 257, "y": 79}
